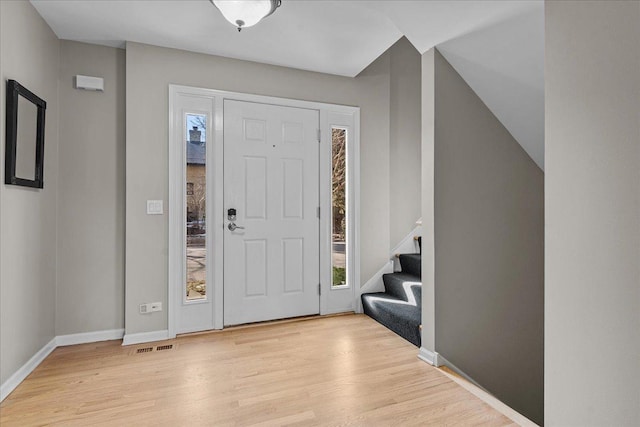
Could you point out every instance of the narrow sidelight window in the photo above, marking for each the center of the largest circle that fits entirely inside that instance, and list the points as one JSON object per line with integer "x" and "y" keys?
{"x": 339, "y": 206}
{"x": 195, "y": 205}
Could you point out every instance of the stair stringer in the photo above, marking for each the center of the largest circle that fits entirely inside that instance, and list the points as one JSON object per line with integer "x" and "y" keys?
{"x": 408, "y": 245}
{"x": 374, "y": 284}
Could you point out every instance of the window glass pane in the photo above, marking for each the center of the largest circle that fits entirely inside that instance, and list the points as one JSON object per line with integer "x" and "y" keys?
{"x": 339, "y": 206}
{"x": 196, "y": 137}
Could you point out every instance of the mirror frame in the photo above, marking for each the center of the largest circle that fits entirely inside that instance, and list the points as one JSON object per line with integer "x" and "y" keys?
{"x": 15, "y": 89}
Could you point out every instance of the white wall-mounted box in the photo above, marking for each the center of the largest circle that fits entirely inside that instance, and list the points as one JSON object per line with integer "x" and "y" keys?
{"x": 89, "y": 83}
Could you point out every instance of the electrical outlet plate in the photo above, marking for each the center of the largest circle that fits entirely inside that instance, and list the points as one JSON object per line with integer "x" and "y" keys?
{"x": 150, "y": 307}
{"x": 154, "y": 207}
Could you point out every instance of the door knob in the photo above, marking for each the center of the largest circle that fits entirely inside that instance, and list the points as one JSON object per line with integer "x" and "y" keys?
{"x": 233, "y": 227}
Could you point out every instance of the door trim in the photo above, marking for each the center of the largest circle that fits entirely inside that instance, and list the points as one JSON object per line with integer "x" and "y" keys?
{"x": 331, "y": 301}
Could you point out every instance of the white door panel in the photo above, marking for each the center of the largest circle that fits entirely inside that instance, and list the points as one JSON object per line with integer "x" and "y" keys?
{"x": 271, "y": 267}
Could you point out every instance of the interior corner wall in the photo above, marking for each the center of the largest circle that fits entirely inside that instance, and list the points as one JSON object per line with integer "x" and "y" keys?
{"x": 489, "y": 248}
{"x": 91, "y": 194}
{"x": 592, "y": 305}
{"x": 428, "y": 199}
{"x": 404, "y": 139}
{"x": 29, "y": 54}
{"x": 150, "y": 70}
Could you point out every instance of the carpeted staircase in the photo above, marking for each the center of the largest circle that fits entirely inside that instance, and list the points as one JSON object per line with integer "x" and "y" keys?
{"x": 399, "y": 308}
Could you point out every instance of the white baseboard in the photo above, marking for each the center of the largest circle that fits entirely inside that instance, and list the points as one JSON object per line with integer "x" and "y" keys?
{"x": 88, "y": 337}
{"x": 143, "y": 337}
{"x": 476, "y": 389}
{"x": 374, "y": 284}
{"x": 59, "y": 341}
{"x": 454, "y": 368}
{"x": 14, "y": 380}
{"x": 431, "y": 357}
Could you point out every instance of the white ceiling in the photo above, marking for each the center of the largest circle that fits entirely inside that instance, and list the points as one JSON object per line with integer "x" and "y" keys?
{"x": 488, "y": 42}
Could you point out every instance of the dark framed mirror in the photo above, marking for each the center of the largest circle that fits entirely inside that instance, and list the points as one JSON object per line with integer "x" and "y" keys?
{"x": 24, "y": 156}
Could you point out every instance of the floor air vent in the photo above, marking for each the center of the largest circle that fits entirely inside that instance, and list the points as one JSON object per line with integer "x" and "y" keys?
{"x": 144, "y": 350}
{"x": 164, "y": 347}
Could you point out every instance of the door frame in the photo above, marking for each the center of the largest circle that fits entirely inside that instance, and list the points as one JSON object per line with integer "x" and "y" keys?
{"x": 331, "y": 115}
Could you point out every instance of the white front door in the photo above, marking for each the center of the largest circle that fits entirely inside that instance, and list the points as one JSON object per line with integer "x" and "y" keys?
{"x": 260, "y": 156}
{"x": 271, "y": 180}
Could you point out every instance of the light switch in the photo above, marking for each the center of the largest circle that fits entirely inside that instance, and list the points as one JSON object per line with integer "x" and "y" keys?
{"x": 154, "y": 207}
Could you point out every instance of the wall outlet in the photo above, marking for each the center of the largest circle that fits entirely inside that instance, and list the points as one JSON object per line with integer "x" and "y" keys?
{"x": 150, "y": 307}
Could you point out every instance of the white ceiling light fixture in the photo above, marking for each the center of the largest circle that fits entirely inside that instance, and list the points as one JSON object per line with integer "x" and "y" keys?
{"x": 246, "y": 13}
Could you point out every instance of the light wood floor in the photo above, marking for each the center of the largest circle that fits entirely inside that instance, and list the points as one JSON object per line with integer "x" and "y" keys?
{"x": 344, "y": 370}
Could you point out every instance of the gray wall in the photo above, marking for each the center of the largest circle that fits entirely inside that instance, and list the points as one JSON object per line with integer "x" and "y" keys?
{"x": 489, "y": 248}
{"x": 90, "y": 291}
{"x": 29, "y": 54}
{"x": 62, "y": 247}
{"x": 592, "y": 306}
{"x": 149, "y": 72}
{"x": 404, "y": 139}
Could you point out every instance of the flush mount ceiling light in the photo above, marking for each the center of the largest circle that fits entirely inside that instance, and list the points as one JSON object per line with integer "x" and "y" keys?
{"x": 246, "y": 13}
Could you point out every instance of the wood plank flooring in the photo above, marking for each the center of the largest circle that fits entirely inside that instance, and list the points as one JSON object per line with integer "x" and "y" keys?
{"x": 343, "y": 370}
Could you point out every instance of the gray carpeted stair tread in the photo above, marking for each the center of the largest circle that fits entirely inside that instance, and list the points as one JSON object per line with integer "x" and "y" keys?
{"x": 394, "y": 313}
{"x": 411, "y": 264}
{"x": 394, "y": 284}
{"x": 399, "y": 308}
